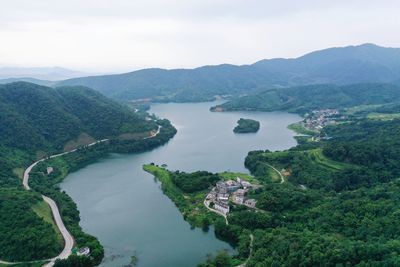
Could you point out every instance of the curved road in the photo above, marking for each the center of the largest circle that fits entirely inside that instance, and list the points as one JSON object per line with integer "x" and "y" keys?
{"x": 68, "y": 239}
{"x": 280, "y": 174}
{"x": 216, "y": 211}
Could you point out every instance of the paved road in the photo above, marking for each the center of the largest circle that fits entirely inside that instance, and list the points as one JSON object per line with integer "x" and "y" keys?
{"x": 154, "y": 134}
{"x": 216, "y": 211}
{"x": 68, "y": 239}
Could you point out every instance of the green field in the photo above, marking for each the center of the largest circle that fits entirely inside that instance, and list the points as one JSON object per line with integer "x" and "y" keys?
{"x": 43, "y": 210}
{"x": 318, "y": 157}
{"x": 383, "y": 116}
{"x": 300, "y": 129}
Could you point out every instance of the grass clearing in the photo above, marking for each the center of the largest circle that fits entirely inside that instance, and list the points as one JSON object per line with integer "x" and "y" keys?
{"x": 383, "y": 116}
{"x": 19, "y": 172}
{"x": 234, "y": 175}
{"x": 361, "y": 108}
{"x": 83, "y": 139}
{"x": 318, "y": 157}
{"x": 42, "y": 209}
{"x": 300, "y": 129}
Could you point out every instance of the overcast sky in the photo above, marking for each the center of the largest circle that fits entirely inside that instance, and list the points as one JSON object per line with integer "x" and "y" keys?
{"x": 120, "y": 35}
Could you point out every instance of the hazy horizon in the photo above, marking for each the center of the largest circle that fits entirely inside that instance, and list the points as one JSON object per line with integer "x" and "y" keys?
{"x": 102, "y": 36}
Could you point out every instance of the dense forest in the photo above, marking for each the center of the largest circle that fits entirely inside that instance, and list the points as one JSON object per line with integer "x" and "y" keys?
{"x": 338, "y": 206}
{"x": 304, "y": 99}
{"x": 38, "y": 121}
{"x": 345, "y": 65}
{"x": 246, "y": 126}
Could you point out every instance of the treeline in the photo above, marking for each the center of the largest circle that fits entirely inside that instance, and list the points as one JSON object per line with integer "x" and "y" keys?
{"x": 48, "y": 185}
{"x": 37, "y": 121}
{"x": 303, "y": 99}
{"x": 35, "y": 117}
{"x": 23, "y": 235}
{"x": 194, "y": 182}
{"x": 339, "y": 204}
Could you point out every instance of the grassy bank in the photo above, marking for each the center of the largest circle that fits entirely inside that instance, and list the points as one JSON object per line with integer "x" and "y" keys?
{"x": 189, "y": 204}
{"x": 298, "y": 128}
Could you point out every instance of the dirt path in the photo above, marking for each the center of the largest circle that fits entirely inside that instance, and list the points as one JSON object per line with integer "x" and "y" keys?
{"x": 279, "y": 173}
{"x": 250, "y": 253}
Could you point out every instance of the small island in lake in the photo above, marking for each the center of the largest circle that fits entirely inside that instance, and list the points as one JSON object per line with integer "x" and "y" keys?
{"x": 247, "y": 126}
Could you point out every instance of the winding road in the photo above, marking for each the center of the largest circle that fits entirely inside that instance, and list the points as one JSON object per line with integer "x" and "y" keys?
{"x": 68, "y": 238}
{"x": 216, "y": 211}
{"x": 280, "y": 174}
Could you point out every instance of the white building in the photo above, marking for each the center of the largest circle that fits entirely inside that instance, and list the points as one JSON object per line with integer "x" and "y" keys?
{"x": 251, "y": 203}
{"x": 238, "y": 196}
{"x": 221, "y": 207}
{"x": 49, "y": 170}
{"x": 223, "y": 197}
{"x": 85, "y": 251}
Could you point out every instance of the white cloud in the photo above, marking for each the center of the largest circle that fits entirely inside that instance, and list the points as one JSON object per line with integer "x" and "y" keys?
{"x": 117, "y": 35}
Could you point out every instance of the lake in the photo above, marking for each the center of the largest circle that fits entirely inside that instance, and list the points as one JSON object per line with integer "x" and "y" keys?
{"x": 124, "y": 206}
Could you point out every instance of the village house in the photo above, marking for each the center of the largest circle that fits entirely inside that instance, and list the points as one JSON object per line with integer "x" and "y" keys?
{"x": 49, "y": 170}
{"x": 223, "y": 197}
{"x": 85, "y": 251}
{"x": 238, "y": 196}
{"x": 251, "y": 203}
{"x": 221, "y": 207}
{"x": 232, "y": 185}
{"x": 222, "y": 188}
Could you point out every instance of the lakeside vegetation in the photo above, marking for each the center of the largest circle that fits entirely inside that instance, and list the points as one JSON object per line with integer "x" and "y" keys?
{"x": 247, "y": 126}
{"x": 38, "y": 121}
{"x": 338, "y": 203}
{"x": 298, "y": 128}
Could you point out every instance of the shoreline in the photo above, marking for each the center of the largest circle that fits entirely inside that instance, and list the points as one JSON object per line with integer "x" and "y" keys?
{"x": 69, "y": 241}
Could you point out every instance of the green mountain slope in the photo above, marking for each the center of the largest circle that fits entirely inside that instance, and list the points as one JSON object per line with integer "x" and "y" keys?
{"x": 306, "y": 98}
{"x": 345, "y": 65}
{"x": 37, "y": 120}
{"x": 48, "y": 118}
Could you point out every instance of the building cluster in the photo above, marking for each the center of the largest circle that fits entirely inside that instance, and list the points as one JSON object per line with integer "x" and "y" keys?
{"x": 320, "y": 118}
{"x": 230, "y": 190}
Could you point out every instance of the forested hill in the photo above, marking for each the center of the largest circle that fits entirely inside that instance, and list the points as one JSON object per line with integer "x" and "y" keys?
{"x": 345, "y": 65}
{"x": 37, "y": 121}
{"x": 34, "y": 117}
{"x": 305, "y": 98}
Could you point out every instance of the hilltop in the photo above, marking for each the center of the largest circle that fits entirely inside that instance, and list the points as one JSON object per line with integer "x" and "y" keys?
{"x": 342, "y": 65}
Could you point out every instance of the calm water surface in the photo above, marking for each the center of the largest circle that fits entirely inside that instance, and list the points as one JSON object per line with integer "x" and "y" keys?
{"x": 124, "y": 206}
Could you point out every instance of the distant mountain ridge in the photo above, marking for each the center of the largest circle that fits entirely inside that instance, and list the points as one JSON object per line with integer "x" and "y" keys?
{"x": 302, "y": 99}
{"x": 39, "y": 73}
{"x": 344, "y": 65}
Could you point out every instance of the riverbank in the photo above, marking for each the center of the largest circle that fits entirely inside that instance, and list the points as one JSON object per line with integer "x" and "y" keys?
{"x": 65, "y": 163}
{"x": 124, "y": 206}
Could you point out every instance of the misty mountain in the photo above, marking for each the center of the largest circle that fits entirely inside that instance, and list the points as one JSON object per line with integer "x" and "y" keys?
{"x": 344, "y": 65}
{"x": 41, "y": 73}
{"x": 29, "y": 80}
